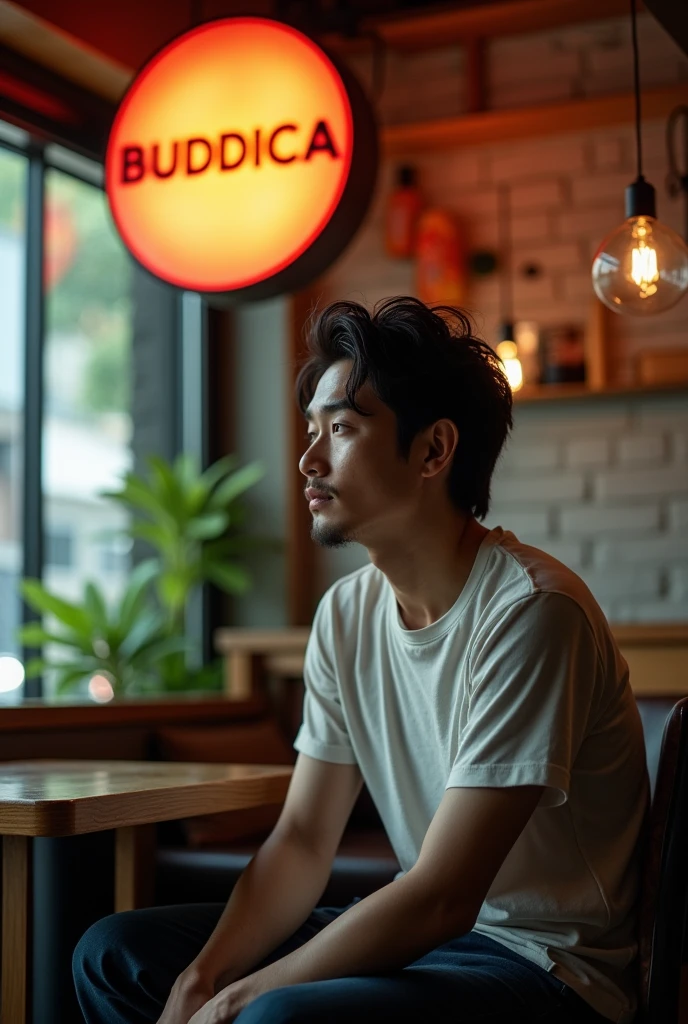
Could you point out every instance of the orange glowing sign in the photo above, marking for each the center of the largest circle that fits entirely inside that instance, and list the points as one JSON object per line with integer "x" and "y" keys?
{"x": 233, "y": 156}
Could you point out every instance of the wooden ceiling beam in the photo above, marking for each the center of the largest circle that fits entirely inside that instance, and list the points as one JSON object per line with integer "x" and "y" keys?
{"x": 481, "y": 21}
{"x": 45, "y": 44}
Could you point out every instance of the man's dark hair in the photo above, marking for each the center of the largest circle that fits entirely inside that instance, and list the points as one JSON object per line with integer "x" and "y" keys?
{"x": 425, "y": 364}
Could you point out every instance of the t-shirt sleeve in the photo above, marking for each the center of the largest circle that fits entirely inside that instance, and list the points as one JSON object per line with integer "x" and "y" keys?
{"x": 323, "y": 733}
{"x": 533, "y": 682}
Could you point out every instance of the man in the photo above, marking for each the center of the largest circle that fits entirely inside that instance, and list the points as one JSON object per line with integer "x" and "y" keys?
{"x": 473, "y": 683}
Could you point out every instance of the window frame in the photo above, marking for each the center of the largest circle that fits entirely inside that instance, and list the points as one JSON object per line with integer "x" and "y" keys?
{"x": 184, "y": 424}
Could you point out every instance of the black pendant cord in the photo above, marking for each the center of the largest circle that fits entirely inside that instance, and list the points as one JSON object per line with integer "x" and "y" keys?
{"x": 195, "y": 12}
{"x": 636, "y": 80}
{"x": 677, "y": 178}
{"x": 379, "y": 57}
{"x": 506, "y": 284}
{"x": 640, "y": 195}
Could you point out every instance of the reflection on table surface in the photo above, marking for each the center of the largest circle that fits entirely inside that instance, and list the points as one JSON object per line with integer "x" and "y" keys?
{"x": 41, "y": 781}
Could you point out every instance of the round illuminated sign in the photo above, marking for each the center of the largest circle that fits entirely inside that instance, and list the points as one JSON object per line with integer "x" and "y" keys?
{"x": 241, "y": 160}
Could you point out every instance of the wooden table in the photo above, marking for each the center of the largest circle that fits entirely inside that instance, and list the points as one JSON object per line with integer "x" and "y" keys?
{"x": 68, "y": 798}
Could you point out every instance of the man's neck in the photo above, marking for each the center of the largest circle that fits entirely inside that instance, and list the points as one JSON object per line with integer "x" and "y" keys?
{"x": 428, "y": 582}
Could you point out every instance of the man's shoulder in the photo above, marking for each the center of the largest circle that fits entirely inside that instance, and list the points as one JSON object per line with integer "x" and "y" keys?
{"x": 518, "y": 570}
{"x": 522, "y": 576}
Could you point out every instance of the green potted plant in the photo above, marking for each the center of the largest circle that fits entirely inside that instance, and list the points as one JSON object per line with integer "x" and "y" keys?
{"x": 123, "y": 644}
{"x": 194, "y": 524}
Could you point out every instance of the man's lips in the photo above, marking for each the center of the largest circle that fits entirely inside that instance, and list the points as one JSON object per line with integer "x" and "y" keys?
{"x": 318, "y": 499}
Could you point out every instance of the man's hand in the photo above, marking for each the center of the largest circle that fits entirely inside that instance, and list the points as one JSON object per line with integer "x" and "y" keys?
{"x": 190, "y": 992}
{"x": 226, "y": 1006}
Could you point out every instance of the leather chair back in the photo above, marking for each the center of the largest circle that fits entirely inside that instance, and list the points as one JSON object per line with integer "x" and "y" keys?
{"x": 664, "y": 892}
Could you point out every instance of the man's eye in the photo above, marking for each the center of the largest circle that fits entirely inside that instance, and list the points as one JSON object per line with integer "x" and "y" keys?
{"x": 311, "y": 435}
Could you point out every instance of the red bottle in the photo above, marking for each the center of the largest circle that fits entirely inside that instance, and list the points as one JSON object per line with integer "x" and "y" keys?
{"x": 403, "y": 210}
{"x": 441, "y": 274}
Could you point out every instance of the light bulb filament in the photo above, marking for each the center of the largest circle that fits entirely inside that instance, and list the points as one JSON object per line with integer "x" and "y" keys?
{"x": 644, "y": 269}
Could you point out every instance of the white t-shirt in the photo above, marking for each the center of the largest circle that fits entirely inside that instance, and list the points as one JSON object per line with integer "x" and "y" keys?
{"x": 519, "y": 683}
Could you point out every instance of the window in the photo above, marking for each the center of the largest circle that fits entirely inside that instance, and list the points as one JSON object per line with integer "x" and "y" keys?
{"x": 59, "y": 549}
{"x": 87, "y": 427}
{"x": 13, "y": 179}
{"x": 115, "y": 555}
{"x": 70, "y": 393}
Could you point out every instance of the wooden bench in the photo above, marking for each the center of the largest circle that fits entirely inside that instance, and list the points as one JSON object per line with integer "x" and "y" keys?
{"x": 657, "y": 656}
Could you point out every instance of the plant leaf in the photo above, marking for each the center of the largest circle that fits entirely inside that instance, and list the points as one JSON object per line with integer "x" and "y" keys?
{"x": 166, "y": 485}
{"x": 173, "y": 590}
{"x": 208, "y": 677}
{"x": 94, "y": 604}
{"x": 213, "y": 474}
{"x": 207, "y": 527}
{"x": 235, "y": 485}
{"x": 232, "y": 579}
{"x": 67, "y": 679}
{"x": 139, "y": 579}
{"x": 160, "y": 648}
{"x": 145, "y": 628}
{"x": 186, "y": 471}
{"x": 136, "y": 491}
{"x": 196, "y": 497}
{"x": 42, "y": 600}
{"x": 34, "y": 635}
{"x": 242, "y": 544}
{"x": 158, "y": 534}
{"x": 34, "y": 667}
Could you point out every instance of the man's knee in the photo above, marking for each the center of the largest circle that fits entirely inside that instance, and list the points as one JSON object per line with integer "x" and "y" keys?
{"x": 110, "y": 945}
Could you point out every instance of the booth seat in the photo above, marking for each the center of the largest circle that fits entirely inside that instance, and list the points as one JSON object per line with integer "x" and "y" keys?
{"x": 193, "y": 864}
{"x": 200, "y": 859}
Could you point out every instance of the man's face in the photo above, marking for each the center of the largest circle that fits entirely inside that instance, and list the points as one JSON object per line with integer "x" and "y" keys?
{"x": 355, "y": 460}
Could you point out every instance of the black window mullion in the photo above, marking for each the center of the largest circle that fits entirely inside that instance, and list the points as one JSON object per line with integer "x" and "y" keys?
{"x": 32, "y": 534}
{"x": 194, "y": 434}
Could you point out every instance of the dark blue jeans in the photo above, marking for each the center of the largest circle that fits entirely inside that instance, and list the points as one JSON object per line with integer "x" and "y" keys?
{"x": 126, "y": 964}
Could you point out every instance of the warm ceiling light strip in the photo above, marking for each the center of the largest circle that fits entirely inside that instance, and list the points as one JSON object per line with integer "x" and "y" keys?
{"x": 50, "y": 46}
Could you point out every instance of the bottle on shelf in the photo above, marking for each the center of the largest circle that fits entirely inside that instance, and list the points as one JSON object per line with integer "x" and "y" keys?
{"x": 403, "y": 210}
{"x": 562, "y": 354}
{"x": 597, "y": 346}
{"x": 441, "y": 266}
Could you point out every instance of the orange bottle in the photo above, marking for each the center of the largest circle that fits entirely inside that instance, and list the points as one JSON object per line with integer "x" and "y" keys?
{"x": 441, "y": 271}
{"x": 403, "y": 209}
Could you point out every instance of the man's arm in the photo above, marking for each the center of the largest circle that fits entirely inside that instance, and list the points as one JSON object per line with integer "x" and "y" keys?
{"x": 279, "y": 888}
{"x": 439, "y": 899}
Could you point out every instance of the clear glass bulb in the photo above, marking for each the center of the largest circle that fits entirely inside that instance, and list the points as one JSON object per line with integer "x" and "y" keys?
{"x": 641, "y": 268}
{"x": 508, "y": 353}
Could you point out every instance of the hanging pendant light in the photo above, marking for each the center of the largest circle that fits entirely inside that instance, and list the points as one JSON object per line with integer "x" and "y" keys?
{"x": 506, "y": 348}
{"x": 641, "y": 268}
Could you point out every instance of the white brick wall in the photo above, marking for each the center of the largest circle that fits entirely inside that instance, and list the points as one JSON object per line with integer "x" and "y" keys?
{"x": 588, "y": 451}
{"x": 624, "y": 529}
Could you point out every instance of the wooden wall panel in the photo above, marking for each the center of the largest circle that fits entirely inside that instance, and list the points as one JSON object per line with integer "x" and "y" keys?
{"x": 301, "y": 596}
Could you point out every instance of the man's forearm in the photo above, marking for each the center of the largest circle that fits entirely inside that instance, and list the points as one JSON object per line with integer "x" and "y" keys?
{"x": 273, "y": 897}
{"x": 384, "y": 932}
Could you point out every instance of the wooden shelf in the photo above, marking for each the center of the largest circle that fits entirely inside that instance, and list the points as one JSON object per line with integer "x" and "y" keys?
{"x": 448, "y": 26}
{"x": 523, "y": 122}
{"x": 566, "y": 392}
{"x": 157, "y": 710}
{"x": 646, "y": 635}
